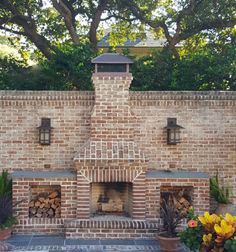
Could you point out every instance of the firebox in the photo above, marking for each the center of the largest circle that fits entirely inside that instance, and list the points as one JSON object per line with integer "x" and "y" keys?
{"x": 111, "y": 198}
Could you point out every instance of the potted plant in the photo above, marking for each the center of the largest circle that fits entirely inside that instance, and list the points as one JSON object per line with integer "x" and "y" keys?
{"x": 210, "y": 233}
{"x": 7, "y": 220}
{"x": 221, "y": 195}
{"x": 168, "y": 238}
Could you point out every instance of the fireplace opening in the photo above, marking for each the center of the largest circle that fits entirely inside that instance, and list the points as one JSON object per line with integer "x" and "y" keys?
{"x": 111, "y": 199}
{"x": 45, "y": 201}
{"x": 179, "y": 197}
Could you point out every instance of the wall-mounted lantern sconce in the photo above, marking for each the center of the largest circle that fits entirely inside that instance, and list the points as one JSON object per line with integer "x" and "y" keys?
{"x": 45, "y": 131}
{"x": 173, "y": 131}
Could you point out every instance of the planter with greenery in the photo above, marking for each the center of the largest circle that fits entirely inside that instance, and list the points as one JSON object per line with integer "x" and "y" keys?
{"x": 221, "y": 195}
{"x": 7, "y": 220}
{"x": 210, "y": 233}
{"x": 168, "y": 238}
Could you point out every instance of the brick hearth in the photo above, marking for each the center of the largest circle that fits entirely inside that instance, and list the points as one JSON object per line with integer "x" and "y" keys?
{"x": 112, "y": 229}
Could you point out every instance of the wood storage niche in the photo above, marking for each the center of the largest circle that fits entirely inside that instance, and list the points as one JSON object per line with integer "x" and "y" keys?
{"x": 179, "y": 197}
{"x": 45, "y": 201}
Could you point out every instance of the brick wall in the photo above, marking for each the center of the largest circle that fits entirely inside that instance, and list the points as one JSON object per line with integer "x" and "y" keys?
{"x": 208, "y": 145}
{"x": 20, "y": 115}
{"x": 208, "y": 138}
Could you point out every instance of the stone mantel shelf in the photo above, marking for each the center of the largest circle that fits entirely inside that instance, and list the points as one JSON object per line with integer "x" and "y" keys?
{"x": 176, "y": 174}
{"x": 43, "y": 174}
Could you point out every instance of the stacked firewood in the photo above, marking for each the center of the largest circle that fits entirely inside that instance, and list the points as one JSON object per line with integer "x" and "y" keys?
{"x": 179, "y": 200}
{"x": 46, "y": 205}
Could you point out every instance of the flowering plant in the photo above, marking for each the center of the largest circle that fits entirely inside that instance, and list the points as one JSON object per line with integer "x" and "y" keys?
{"x": 210, "y": 232}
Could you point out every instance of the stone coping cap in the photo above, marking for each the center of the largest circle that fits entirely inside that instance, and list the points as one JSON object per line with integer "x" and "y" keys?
{"x": 134, "y": 95}
{"x": 43, "y": 174}
{"x": 176, "y": 174}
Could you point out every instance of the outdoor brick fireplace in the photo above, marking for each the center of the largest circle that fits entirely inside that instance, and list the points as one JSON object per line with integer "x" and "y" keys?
{"x": 108, "y": 165}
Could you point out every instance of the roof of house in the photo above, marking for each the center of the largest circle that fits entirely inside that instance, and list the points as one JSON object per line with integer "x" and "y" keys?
{"x": 150, "y": 41}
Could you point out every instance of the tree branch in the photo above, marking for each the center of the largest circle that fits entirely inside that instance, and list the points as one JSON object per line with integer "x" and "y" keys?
{"x": 141, "y": 15}
{"x": 95, "y": 22}
{"x": 28, "y": 25}
{"x": 69, "y": 18}
{"x": 215, "y": 24}
{"x": 12, "y": 31}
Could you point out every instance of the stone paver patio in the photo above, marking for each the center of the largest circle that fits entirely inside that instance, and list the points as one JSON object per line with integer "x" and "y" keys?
{"x": 55, "y": 243}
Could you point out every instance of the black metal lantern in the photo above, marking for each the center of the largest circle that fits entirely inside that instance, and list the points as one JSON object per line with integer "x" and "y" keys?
{"x": 112, "y": 63}
{"x": 173, "y": 131}
{"x": 45, "y": 131}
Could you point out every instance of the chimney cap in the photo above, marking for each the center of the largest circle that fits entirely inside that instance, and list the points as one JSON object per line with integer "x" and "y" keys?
{"x": 112, "y": 58}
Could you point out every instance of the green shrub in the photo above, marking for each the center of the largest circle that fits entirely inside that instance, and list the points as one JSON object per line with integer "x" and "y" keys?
{"x": 230, "y": 245}
{"x": 5, "y": 184}
{"x": 220, "y": 194}
{"x": 6, "y": 217}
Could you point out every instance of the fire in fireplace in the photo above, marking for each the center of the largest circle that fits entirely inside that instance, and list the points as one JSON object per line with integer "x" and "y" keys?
{"x": 111, "y": 198}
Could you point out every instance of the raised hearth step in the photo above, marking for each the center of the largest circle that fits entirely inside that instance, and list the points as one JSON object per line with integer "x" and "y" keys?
{"x": 112, "y": 229}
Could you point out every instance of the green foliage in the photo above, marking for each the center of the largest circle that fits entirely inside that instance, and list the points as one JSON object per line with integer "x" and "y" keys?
{"x": 192, "y": 237}
{"x": 69, "y": 69}
{"x": 6, "y": 218}
{"x": 207, "y": 68}
{"x": 230, "y": 245}
{"x": 10, "y": 221}
{"x": 220, "y": 194}
{"x": 153, "y": 72}
{"x": 5, "y": 184}
{"x": 14, "y": 74}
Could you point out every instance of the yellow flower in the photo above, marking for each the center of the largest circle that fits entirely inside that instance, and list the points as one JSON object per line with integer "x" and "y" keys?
{"x": 224, "y": 230}
{"x": 207, "y": 239}
{"x": 230, "y": 219}
{"x": 209, "y": 220}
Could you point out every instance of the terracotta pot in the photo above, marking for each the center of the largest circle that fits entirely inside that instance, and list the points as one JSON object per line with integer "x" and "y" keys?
{"x": 169, "y": 244}
{"x": 5, "y": 233}
{"x": 226, "y": 208}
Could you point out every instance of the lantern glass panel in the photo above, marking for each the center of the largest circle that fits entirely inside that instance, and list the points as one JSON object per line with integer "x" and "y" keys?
{"x": 172, "y": 135}
{"x": 44, "y": 136}
{"x": 177, "y": 135}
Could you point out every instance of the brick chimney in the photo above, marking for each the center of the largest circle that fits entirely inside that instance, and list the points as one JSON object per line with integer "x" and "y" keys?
{"x": 112, "y": 123}
{"x": 111, "y": 118}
